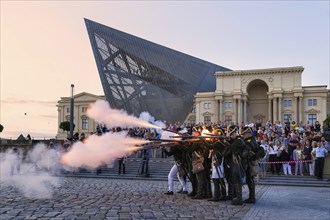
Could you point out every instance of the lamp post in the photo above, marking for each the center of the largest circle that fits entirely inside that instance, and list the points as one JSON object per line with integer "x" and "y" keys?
{"x": 71, "y": 112}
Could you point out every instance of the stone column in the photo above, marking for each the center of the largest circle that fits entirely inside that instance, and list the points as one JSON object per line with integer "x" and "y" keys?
{"x": 274, "y": 109}
{"x": 220, "y": 110}
{"x": 300, "y": 109}
{"x": 239, "y": 112}
{"x": 270, "y": 109}
{"x": 235, "y": 111}
{"x": 280, "y": 109}
{"x": 197, "y": 112}
{"x": 245, "y": 111}
{"x": 295, "y": 107}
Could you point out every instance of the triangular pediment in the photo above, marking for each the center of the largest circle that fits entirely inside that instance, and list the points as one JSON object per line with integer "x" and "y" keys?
{"x": 207, "y": 113}
{"x": 83, "y": 96}
{"x": 312, "y": 110}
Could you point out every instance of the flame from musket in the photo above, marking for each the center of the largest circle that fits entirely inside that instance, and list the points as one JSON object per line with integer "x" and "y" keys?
{"x": 101, "y": 112}
{"x": 206, "y": 132}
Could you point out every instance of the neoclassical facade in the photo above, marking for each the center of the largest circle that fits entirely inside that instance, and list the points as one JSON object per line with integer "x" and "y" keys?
{"x": 261, "y": 94}
{"x": 83, "y": 124}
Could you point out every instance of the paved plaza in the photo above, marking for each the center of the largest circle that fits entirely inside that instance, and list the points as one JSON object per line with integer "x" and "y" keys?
{"x": 98, "y": 198}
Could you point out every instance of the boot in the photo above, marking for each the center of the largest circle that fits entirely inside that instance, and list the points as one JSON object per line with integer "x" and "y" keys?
{"x": 238, "y": 191}
{"x": 198, "y": 196}
{"x": 223, "y": 196}
{"x": 230, "y": 192}
{"x": 216, "y": 194}
{"x": 192, "y": 194}
{"x": 252, "y": 197}
{"x": 209, "y": 189}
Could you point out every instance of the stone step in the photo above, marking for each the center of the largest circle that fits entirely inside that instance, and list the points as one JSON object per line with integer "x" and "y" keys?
{"x": 160, "y": 167}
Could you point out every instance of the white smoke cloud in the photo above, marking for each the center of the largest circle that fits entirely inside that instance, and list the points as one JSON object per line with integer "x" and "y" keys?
{"x": 24, "y": 176}
{"x": 97, "y": 150}
{"x": 147, "y": 117}
{"x": 101, "y": 112}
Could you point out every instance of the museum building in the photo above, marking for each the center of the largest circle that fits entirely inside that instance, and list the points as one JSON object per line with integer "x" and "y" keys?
{"x": 272, "y": 94}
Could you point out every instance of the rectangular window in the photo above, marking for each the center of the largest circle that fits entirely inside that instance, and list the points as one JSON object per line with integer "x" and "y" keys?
{"x": 288, "y": 118}
{"x": 228, "y": 119}
{"x": 228, "y": 105}
{"x": 207, "y": 119}
{"x": 312, "y": 102}
{"x": 312, "y": 118}
{"x": 84, "y": 124}
{"x": 207, "y": 105}
{"x": 67, "y": 110}
{"x": 84, "y": 109}
{"x": 287, "y": 103}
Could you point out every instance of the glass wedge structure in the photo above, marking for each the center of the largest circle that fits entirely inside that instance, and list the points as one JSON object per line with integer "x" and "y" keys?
{"x": 138, "y": 75}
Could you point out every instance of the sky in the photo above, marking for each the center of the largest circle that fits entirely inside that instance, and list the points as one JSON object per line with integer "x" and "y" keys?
{"x": 45, "y": 46}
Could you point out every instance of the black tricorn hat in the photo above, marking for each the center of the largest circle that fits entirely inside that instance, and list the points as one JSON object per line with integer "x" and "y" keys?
{"x": 231, "y": 129}
{"x": 247, "y": 129}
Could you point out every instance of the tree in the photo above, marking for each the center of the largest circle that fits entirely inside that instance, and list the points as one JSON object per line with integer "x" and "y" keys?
{"x": 1, "y": 127}
{"x": 327, "y": 120}
{"x": 65, "y": 126}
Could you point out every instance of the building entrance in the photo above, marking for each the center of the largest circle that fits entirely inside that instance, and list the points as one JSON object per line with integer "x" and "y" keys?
{"x": 257, "y": 110}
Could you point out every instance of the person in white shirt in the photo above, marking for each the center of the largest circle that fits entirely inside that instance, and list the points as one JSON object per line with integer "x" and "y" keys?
{"x": 263, "y": 166}
{"x": 319, "y": 152}
{"x": 272, "y": 151}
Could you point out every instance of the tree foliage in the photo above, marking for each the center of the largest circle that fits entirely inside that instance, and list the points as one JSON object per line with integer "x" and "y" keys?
{"x": 65, "y": 126}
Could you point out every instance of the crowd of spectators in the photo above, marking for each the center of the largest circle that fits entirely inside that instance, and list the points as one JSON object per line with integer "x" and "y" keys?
{"x": 290, "y": 147}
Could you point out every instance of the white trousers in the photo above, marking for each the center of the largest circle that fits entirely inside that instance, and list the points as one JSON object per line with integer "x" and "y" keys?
{"x": 311, "y": 168}
{"x": 286, "y": 169}
{"x": 171, "y": 176}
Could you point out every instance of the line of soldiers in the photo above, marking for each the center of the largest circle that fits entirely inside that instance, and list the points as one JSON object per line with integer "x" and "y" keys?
{"x": 223, "y": 156}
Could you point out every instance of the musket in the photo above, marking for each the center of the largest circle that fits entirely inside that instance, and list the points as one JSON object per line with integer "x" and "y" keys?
{"x": 202, "y": 136}
{"x": 175, "y": 140}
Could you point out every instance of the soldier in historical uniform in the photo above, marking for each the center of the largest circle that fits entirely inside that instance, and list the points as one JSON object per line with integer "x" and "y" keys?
{"x": 217, "y": 147}
{"x": 199, "y": 168}
{"x": 178, "y": 169}
{"x": 233, "y": 157}
{"x": 250, "y": 162}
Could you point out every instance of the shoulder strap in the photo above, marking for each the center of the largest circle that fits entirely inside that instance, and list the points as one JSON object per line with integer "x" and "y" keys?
{"x": 197, "y": 154}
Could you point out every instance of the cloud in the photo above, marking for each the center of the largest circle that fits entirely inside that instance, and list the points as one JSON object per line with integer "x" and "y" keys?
{"x": 49, "y": 116}
{"x": 28, "y": 101}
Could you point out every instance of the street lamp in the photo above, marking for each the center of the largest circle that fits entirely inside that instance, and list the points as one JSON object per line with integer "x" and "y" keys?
{"x": 71, "y": 112}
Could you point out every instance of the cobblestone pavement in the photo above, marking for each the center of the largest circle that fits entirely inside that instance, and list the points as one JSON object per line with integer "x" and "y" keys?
{"x": 91, "y": 198}
{"x": 292, "y": 203}
{"x": 88, "y": 198}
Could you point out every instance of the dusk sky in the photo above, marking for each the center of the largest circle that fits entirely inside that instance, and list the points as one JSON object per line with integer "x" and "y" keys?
{"x": 45, "y": 46}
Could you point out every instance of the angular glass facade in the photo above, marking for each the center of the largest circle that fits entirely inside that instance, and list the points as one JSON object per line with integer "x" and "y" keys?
{"x": 138, "y": 75}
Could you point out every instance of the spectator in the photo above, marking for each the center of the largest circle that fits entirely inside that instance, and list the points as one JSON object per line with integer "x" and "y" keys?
{"x": 292, "y": 145}
{"x": 263, "y": 165}
{"x": 317, "y": 126}
{"x": 319, "y": 152}
{"x": 285, "y": 157}
{"x": 15, "y": 161}
{"x": 308, "y": 158}
{"x": 298, "y": 159}
{"x": 122, "y": 162}
{"x": 145, "y": 162}
{"x": 272, "y": 151}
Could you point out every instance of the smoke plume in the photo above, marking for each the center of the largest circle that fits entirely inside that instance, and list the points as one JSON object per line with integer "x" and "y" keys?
{"x": 29, "y": 177}
{"x": 98, "y": 150}
{"x": 101, "y": 112}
